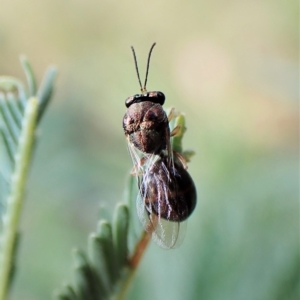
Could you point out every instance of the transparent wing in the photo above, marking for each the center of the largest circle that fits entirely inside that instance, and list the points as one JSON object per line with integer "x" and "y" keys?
{"x": 159, "y": 204}
{"x": 166, "y": 197}
{"x": 137, "y": 158}
{"x": 140, "y": 160}
{"x": 165, "y": 233}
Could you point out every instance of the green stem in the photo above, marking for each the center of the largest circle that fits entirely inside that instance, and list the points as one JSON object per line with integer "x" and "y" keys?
{"x": 125, "y": 284}
{"x": 15, "y": 199}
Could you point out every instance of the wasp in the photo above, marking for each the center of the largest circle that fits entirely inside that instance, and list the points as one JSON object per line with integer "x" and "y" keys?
{"x": 167, "y": 194}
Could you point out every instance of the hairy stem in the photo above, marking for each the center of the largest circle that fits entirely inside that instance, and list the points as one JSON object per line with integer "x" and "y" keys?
{"x": 15, "y": 200}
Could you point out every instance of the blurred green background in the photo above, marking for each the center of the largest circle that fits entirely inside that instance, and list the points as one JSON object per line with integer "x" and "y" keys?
{"x": 232, "y": 67}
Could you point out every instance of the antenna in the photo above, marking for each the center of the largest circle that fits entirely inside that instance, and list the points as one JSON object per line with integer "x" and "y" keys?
{"x": 143, "y": 89}
{"x": 148, "y": 64}
{"x": 136, "y": 67}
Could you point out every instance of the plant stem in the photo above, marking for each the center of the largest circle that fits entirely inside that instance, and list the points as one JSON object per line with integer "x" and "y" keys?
{"x": 133, "y": 264}
{"x": 139, "y": 250}
{"x": 15, "y": 199}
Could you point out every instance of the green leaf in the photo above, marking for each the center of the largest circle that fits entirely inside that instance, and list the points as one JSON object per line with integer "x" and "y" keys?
{"x": 85, "y": 281}
{"x": 15, "y": 198}
{"x": 97, "y": 274}
{"x": 120, "y": 233}
{"x": 29, "y": 76}
{"x": 45, "y": 91}
{"x": 18, "y": 120}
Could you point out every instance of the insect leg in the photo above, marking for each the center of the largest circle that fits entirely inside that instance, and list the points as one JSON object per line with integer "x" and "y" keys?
{"x": 136, "y": 170}
{"x": 171, "y": 114}
{"x": 175, "y": 130}
{"x": 181, "y": 159}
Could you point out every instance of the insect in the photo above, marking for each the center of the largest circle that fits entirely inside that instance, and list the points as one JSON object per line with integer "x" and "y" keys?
{"x": 167, "y": 194}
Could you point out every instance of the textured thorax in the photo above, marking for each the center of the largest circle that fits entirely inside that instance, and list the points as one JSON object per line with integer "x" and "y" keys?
{"x": 146, "y": 126}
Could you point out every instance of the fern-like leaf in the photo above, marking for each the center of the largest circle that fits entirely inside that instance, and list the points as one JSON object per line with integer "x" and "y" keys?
{"x": 20, "y": 111}
{"x": 97, "y": 273}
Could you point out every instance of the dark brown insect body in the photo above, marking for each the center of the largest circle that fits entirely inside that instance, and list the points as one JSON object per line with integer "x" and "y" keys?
{"x": 145, "y": 123}
{"x": 169, "y": 193}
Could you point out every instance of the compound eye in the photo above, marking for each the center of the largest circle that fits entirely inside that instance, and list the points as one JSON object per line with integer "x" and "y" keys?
{"x": 161, "y": 98}
{"x": 157, "y": 97}
{"x": 129, "y": 101}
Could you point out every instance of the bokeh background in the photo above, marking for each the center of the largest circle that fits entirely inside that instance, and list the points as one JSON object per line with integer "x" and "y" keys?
{"x": 232, "y": 68}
